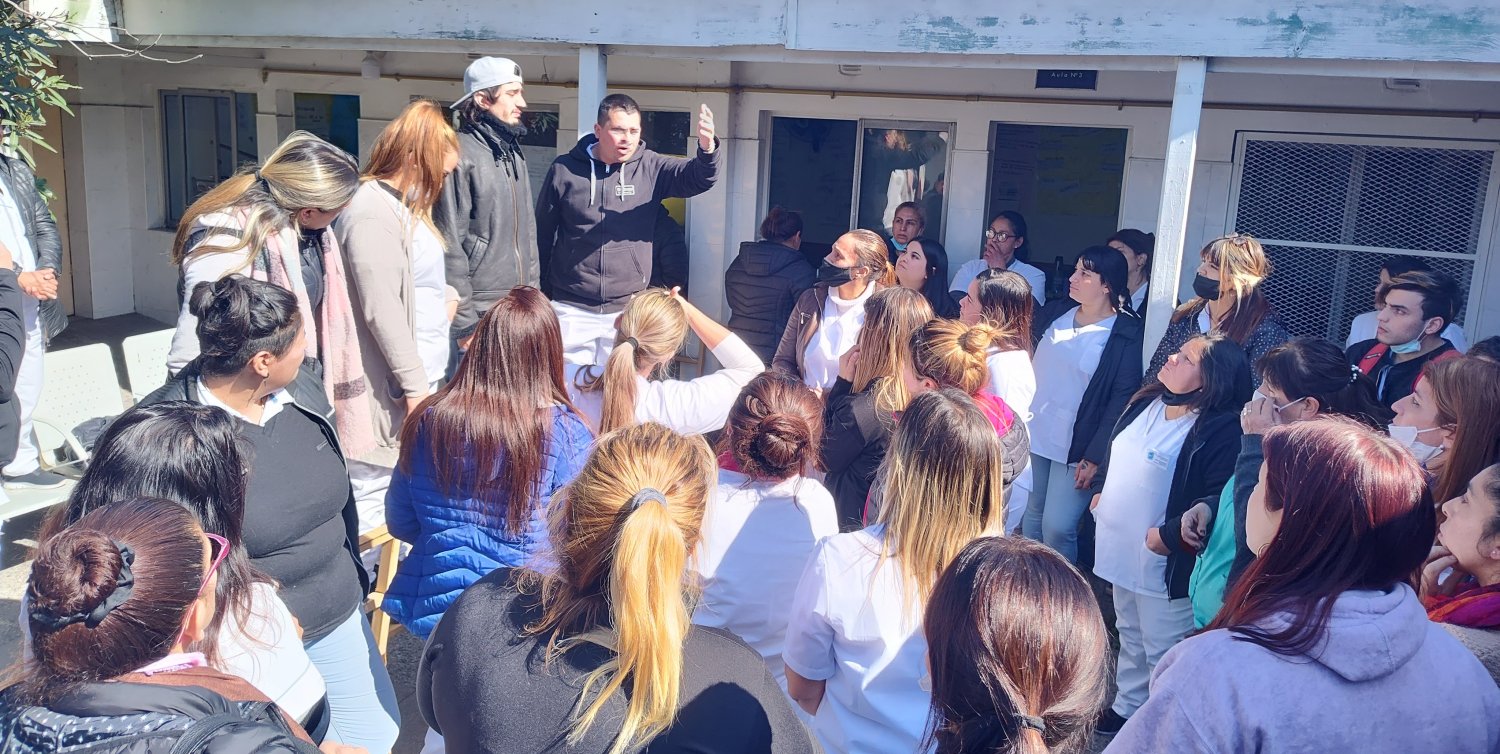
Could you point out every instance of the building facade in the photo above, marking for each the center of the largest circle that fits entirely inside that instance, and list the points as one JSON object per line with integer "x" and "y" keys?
{"x": 1338, "y": 134}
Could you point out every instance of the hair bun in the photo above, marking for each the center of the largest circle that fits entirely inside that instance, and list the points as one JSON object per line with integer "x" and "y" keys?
{"x": 74, "y": 572}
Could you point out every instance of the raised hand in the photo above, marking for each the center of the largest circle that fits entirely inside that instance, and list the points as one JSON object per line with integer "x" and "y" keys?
{"x": 705, "y": 128}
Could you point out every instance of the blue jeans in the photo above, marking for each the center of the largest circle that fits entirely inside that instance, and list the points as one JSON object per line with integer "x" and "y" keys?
{"x": 1055, "y": 508}
{"x": 361, "y": 700}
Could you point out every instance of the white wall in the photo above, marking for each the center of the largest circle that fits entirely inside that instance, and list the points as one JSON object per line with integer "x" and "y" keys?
{"x": 121, "y": 136}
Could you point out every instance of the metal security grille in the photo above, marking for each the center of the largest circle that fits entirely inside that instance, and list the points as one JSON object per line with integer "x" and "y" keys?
{"x": 1330, "y": 209}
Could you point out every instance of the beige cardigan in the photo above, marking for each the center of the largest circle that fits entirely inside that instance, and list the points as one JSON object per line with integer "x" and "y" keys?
{"x": 374, "y": 236}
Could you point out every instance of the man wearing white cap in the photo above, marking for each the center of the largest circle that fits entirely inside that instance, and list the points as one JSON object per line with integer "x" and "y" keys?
{"x": 485, "y": 212}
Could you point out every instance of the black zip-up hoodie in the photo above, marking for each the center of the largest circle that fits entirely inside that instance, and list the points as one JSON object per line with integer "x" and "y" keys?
{"x": 595, "y": 223}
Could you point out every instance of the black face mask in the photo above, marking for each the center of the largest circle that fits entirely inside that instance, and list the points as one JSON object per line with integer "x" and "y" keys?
{"x": 1206, "y": 288}
{"x": 1179, "y": 399}
{"x": 832, "y": 275}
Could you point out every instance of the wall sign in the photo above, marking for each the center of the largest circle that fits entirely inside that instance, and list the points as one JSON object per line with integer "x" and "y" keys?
{"x": 1055, "y": 79}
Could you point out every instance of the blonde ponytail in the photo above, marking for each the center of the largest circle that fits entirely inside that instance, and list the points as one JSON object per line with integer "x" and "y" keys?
{"x": 652, "y": 328}
{"x": 624, "y": 531}
{"x": 953, "y": 354}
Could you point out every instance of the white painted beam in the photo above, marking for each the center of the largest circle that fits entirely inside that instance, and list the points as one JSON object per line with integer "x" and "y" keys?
{"x": 593, "y": 85}
{"x": 1177, "y": 183}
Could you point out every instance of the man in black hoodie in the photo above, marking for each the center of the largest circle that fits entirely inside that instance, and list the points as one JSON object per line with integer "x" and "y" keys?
{"x": 485, "y": 210}
{"x": 596, "y": 220}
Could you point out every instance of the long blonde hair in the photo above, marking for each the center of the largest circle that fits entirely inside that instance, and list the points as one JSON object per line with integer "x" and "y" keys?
{"x": 304, "y": 172}
{"x": 650, "y": 332}
{"x": 416, "y": 143}
{"x": 953, "y": 354}
{"x": 940, "y": 487}
{"x": 622, "y": 554}
{"x": 890, "y": 317}
{"x": 1243, "y": 266}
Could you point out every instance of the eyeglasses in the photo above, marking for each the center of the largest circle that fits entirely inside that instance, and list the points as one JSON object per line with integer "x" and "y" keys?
{"x": 998, "y": 235}
{"x": 219, "y": 550}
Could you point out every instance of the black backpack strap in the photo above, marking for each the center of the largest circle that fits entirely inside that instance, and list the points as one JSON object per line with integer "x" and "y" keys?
{"x": 197, "y": 734}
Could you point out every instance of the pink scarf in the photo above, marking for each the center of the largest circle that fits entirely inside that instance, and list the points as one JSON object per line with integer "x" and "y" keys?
{"x": 343, "y": 370}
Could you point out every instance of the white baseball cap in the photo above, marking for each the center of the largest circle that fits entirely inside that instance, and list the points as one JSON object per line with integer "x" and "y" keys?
{"x": 485, "y": 73}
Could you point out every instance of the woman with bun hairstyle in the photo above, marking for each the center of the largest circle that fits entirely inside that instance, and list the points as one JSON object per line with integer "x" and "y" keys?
{"x": 598, "y": 653}
{"x": 116, "y": 605}
{"x": 1137, "y": 248}
{"x": 765, "y": 280}
{"x": 630, "y": 386}
{"x": 923, "y": 267}
{"x": 1323, "y": 644}
{"x": 402, "y": 302}
{"x": 192, "y": 455}
{"x": 859, "y": 413}
{"x": 1301, "y": 379}
{"x": 765, "y": 518}
{"x": 1228, "y": 297}
{"x": 300, "y": 515}
{"x": 948, "y": 353}
{"x": 856, "y": 652}
{"x": 1174, "y": 445}
{"x": 1021, "y": 667}
{"x": 1087, "y": 364}
{"x": 270, "y": 223}
{"x": 483, "y": 460}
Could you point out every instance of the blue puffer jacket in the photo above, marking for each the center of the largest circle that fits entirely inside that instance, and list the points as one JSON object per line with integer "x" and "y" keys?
{"x": 454, "y": 544}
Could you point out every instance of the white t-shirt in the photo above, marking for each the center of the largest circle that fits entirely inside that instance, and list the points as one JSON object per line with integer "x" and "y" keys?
{"x": 429, "y": 300}
{"x": 849, "y": 627}
{"x": 1363, "y": 328}
{"x": 268, "y": 653}
{"x": 690, "y": 407}
{"x": 1143, "y": 458}
{"x": 837, "y": 332}
{"x": 757, "y": 537}
{"x": 1012, "y": 380}
{"x": 1065, "y": 362}
{"x": 971, "y": 269}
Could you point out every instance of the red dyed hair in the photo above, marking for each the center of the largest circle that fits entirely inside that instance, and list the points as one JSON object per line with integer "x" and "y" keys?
{"x": 1355, "y": 514}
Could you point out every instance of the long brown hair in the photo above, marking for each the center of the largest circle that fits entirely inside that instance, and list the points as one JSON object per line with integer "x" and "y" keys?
{"x": 414, "y": 146}
{"x": 1356, "y": 515}
{"x": 1006, "y": 304}
{"x": 774, "y": 428}
{"x": 304, "y": 172}
{"x": 487, "y": 430}
{"x": 1467, "y": 394}
{"x": 1018, "y": 635}
{"x": 1243, "y": 266}
{"x": 79, "y": 568}
{"x": 622, "y": 580}
{"x": 890, "y": 315}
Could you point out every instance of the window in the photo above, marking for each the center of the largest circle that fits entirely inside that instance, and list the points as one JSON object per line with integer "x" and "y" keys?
{"x": 1066, "y": 181}
{"x": 539, "y": 143}
{"x": 668, "y": 133}
{"x": 334, "y": 118}
{"x": 839, "y": 179}
{"x": 1330, "y": 209}
{"x": 206, "y": 135}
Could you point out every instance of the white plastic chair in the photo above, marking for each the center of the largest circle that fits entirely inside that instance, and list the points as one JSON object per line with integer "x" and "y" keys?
{"x": 79, "y": 384}
{"x": 146, "y": 361}
{"x": 24, "y": 501}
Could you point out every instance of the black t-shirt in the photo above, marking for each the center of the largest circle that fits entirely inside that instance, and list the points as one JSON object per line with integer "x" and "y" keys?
{"x": 294, "y": 525}
{"x": 1394, "y": 381}
{"x": 486, "y": 687}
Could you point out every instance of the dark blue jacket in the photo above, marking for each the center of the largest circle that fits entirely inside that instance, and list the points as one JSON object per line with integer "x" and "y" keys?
{"x": 455, "y": 541}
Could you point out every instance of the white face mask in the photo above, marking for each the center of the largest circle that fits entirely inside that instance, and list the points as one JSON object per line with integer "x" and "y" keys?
{"x": 1279, "y": 409}
{"x": 1408, "y": 436}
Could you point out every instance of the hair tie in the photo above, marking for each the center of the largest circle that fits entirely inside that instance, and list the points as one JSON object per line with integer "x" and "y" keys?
{"x": 124, "y": 586}
{"x": 1354, "y": 374}
{"x": 636, "y": 344}
{"x": 648, "y": 493}
{"x": 1033, "y": 722}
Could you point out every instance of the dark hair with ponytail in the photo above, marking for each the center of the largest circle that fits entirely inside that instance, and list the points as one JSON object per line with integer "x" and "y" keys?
{"x": 780, "y": 224}
{"x": 75, "y": 573}
{"x": 239, "y": 317}
{"x": 1110, "y": 267}
{"x": 1315, "y": 368}
{"x": 774, "y": 428}
{"x": 187, "y": 453}
{"x": 1021, "y": 667}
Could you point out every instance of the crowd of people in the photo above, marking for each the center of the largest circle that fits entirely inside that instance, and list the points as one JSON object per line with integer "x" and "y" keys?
{"x": 907, "y": 513}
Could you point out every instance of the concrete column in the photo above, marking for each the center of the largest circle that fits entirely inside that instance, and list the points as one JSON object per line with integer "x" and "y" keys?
{"x": 1177, "y": 182}
{"x": 593, "y": 85}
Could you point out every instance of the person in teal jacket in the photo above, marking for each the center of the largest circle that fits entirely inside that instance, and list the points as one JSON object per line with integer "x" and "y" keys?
{"x": 481, "y": 465}
{"x": 1300, "y": 379}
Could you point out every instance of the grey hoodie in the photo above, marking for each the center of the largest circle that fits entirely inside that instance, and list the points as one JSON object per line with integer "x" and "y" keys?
{"x": 1384, "y": 679}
